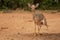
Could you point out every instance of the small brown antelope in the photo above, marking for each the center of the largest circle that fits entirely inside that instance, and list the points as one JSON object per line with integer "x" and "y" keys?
{"x": 39, "y": 18}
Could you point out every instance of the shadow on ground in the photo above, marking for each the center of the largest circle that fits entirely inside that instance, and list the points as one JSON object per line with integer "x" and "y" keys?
{"x": 41, "y": 36}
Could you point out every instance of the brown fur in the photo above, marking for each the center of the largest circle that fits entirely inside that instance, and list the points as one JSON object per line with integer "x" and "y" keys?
{"x": 39, "y": 18}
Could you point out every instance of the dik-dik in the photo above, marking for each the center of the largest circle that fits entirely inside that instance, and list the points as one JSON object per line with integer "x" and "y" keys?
{"x": 39, "y": 18}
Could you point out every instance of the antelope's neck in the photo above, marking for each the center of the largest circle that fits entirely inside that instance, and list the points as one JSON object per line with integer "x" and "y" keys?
{"x": 34, "y": 12}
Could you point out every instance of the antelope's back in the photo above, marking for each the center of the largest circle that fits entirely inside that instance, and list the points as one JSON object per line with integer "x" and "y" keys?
{"x": 38, "y": 16}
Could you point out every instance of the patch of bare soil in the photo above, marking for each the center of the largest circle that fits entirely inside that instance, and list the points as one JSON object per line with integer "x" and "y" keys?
{"x": 19, "y": 25}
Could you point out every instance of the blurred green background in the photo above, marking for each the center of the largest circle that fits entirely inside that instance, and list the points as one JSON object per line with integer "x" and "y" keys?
{"x": 44, "y": 4}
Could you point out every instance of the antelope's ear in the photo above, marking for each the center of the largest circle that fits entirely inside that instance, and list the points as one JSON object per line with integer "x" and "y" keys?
{"x": 37, "y": 5}
{"x": 29, "y": 5}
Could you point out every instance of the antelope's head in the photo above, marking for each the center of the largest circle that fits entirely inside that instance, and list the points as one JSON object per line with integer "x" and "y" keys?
{"x": 33, "y": 7}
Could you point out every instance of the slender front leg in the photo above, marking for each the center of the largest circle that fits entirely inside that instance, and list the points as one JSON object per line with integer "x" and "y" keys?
{"x": 35, "y": 29}
{"x": 39, "y": 28}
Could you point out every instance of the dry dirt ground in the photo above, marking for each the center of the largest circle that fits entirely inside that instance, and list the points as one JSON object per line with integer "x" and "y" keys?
{"x": 19, "y": 25}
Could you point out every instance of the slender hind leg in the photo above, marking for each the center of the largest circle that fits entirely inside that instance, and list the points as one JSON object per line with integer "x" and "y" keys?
{"x": 45, "y": 22}
{"x": 47, "y": 27}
